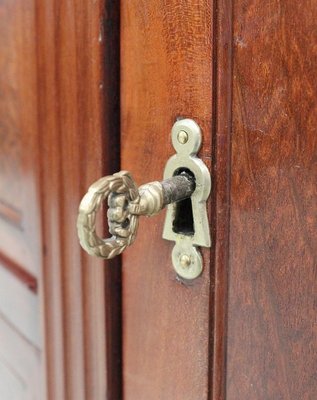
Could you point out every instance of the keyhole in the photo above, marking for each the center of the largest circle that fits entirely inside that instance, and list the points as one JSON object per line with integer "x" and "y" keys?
{"x": 183, "y": 220}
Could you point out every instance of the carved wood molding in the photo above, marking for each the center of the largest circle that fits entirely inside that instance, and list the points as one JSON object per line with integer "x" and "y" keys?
{"x": 78, "y": 105}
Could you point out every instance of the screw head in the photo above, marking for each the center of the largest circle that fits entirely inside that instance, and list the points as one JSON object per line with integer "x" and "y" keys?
{"x": 182, "y": 137}
{"x": 184, "y": 261}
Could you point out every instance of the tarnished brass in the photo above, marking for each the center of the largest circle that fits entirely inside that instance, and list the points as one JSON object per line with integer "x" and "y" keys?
{"x": 126, "y": 204}
{"x": 186, "y": 176}
{"x": 186, "y": 139}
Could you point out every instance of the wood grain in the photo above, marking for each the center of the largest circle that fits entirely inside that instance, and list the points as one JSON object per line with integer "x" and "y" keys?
{"x": 246, "y": 329}
{"x": 21, "y": 354}
{"x": 220, "y": 196}
{"x": 59, "y": 126}
{"x": 19, "y": 173}
{"x": 166, "y": 64}
{"x": 78, "y": 112}
{"x": 272, "y": 346}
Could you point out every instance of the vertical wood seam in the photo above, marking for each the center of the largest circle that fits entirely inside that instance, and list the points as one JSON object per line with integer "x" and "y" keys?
{"x": 221, "y": 166}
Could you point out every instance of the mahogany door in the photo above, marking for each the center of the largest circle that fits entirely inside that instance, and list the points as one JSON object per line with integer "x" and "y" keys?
{"x": 58, "y": 102}
{"x": 244, "y": 70}
{"x": 89, "y": 88}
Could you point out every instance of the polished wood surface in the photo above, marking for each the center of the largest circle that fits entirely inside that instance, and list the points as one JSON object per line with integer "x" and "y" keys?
{"x": 59, "y": 131}
{"x": 166, "y": 64}
{"x": 21, "y": 350}
{"x": 272, "y": 344}
{"x": 261, "y": 283}
{"x": 78, "y": 116}
{"x": 244, "y": 70}
{"x": 220, "y": 197}
{"x": 19, "y": 197}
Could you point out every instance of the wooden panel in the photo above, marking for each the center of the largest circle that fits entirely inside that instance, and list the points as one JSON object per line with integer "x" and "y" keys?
{"x": 20, "y": 306}
{"x": 20, "y": 367}
{"x": 20, "y": 229}
{"x": 220, "y": 197}
{"x": 166, "y": 62}
{"x": 19, "y": 200}
{"x": 59, "y": 79}
{"x": 78, "y": 111}
{"x": 272, "y": 347}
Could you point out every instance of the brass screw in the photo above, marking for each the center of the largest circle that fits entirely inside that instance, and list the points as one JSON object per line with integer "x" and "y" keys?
{"x": 182, "y": 137}
{"x": 184, "y": 261}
